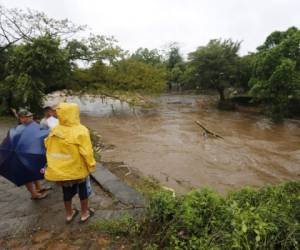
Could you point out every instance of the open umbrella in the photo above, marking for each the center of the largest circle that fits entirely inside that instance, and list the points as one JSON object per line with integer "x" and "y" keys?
{"x": 22, "y": 154}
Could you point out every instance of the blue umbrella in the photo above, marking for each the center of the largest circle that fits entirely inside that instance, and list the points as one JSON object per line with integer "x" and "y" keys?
{"x": 22, "y": 154}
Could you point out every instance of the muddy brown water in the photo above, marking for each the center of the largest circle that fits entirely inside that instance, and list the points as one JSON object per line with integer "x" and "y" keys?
{"x": 165, "y": 142}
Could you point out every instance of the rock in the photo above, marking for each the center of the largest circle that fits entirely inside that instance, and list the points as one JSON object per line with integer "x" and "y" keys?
{"x": 117, "y": 187}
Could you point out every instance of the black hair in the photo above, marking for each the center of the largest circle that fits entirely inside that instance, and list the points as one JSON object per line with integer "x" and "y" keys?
{"x": 47, "y": 109}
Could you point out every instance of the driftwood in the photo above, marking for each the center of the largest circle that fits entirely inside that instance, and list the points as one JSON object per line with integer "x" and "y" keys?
{"x": 207, "y": 131}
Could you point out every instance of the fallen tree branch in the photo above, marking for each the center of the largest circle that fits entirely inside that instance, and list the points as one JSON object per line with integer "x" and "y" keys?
{"x": 207, "y": 131}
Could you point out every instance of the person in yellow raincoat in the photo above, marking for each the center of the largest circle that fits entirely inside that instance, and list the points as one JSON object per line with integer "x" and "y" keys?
{"x": 70, "y": 159}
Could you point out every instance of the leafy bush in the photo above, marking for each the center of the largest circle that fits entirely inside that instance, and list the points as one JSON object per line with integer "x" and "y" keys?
{"x": 267, "y": 218}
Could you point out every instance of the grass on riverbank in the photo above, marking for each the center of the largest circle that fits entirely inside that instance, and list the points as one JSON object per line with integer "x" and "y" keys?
{"x": 265, "y": 218}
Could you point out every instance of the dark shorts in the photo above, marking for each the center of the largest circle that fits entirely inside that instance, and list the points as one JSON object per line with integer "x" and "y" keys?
{"x": 77, "y": 188}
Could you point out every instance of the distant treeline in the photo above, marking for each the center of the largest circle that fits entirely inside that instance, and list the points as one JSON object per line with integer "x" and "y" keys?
{"x": 39, "y": 55}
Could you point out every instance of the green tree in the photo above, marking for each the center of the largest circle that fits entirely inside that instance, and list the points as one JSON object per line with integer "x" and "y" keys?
{"x": 244, "y": 71}
{"x": 175, "y": 65}
{"x": 173, "y": 56}
{"x": 32, "y": 70}
{"x": 276, "y": 76}
{"x": 130, "y": 74}
{"x": 215, "y": 65}
{"x": 147, "y": 56}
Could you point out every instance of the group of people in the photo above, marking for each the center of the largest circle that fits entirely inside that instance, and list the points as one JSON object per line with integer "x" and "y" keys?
{"x": 69, "y": 155}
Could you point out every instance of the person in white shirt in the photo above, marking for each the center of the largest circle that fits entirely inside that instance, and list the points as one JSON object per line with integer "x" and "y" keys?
{"x": 49, "y": 121}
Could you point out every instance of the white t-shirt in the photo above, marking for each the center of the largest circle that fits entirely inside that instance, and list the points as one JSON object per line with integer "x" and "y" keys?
{"x": 50, "y": 122}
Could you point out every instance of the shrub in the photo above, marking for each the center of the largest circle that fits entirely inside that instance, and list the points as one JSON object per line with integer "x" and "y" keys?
{"x": 265, "y": 218}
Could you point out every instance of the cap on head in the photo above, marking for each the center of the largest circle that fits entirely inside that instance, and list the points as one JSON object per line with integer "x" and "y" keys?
{"x": 24, "y": 112}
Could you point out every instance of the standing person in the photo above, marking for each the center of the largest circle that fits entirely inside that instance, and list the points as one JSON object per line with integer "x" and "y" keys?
{"x": 25, "y": 118}
{"x": 70, "y": 159}
{"x": 49, "y": 121}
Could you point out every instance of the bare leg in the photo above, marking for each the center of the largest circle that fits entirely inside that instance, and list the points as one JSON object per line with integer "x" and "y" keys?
{"x": 69, "y": 209}
{"x": 84, "y": 209}
{"x": 32, "y": 190}
{"x": 38, "y": 185}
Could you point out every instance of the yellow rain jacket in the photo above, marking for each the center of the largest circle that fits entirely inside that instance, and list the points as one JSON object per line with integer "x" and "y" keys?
{"x": 69, "y": 148}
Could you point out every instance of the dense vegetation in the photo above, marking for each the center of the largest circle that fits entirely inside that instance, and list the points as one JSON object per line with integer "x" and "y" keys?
{"x": 265, "y": 218}
{"x": 39, "y": 55}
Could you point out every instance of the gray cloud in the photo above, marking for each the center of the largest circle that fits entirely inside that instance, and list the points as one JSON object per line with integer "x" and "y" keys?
{"x": 153, "y": 23}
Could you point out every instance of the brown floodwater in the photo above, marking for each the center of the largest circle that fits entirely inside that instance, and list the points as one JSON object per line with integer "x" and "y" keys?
{"x": 166, "y": 143}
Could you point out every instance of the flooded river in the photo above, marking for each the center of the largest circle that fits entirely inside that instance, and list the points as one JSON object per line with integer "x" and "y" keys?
{"x": 165, "y": 142}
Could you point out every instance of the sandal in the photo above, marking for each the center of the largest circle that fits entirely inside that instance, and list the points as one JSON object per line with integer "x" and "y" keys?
{"x": 40, "y": 197}
{"x": 45, "y": 189}
{"x": 75, "y": 212}
{"x": 91, "y": 214}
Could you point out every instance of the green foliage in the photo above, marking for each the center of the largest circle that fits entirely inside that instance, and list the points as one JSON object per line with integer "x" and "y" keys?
{"x": 175, "y": 66}
{"x": 216, "y": 64}
{"x": 162, "y": 207}
{"x": 147, "y": 56}
{"x": 244, "y": 71}
{"x": 32, "y": 70}
{"x": 276, "y": 78}
{"x": 102, "y": 48}
{"x": 123, "y": 226}
{"x": 125, "y": 75}
{"x": 147, "y": 185}
{"x": 265, "y": 218}
{"x": 135, "y": 75}
{"x": 173, "y": 56}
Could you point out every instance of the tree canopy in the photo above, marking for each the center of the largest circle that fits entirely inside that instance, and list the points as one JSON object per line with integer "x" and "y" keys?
{"x": 39, "y": 55}
{"x": 276, "y": 77}
{"x": 215, "y": 65}
{"x": 32, "y": 70}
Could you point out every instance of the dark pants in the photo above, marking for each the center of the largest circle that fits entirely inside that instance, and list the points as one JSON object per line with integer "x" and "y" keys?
{"x": 80, "y": 188}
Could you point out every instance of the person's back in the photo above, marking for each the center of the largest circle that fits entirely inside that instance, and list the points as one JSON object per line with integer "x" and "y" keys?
{"x": 70, "y": 158}
{"x": 69, "y": 148}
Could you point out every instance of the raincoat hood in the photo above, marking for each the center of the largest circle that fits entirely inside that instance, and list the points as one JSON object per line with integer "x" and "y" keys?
{"x": 68, "y": 114}
{"x": 69, "y": 148}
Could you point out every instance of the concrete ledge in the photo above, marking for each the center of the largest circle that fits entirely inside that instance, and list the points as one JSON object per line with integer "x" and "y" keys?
{"x": 119, "y": 189}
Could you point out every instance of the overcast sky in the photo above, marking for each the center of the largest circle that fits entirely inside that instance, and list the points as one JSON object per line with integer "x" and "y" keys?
{"x": 191, "y": 23}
